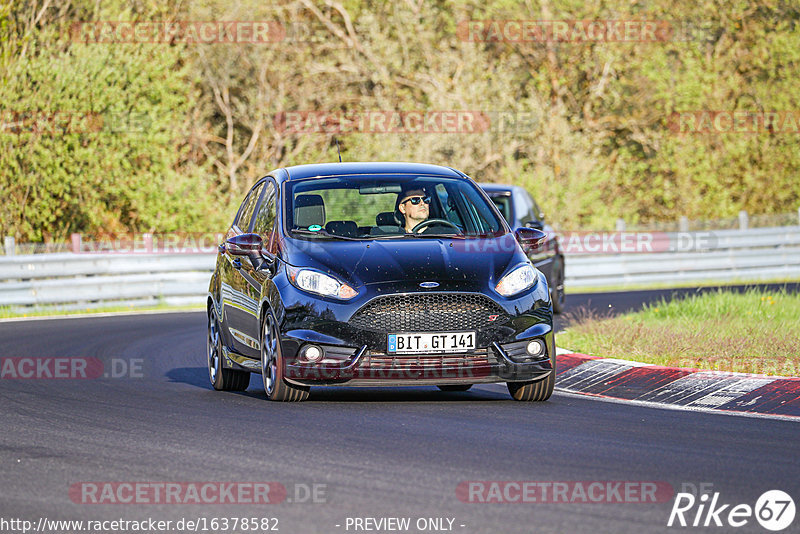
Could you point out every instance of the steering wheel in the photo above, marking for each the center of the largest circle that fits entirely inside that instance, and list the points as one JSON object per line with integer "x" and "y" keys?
{"x": 428, "y": 222}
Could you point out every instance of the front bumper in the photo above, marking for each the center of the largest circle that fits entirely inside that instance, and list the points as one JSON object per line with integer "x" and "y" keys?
{"x": 356, "y": 351}
{"x": 366, "y": 367}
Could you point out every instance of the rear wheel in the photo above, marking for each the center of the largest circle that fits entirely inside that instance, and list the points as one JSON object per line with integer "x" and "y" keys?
{"x": 275, "y": 386}
{"x": 540, "y": 390}
{"x": 455, "y": 387}
{"x": 221, "y": 378}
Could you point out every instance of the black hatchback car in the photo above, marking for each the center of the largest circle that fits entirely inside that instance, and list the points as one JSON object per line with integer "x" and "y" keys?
{"x": 377, "y": 274}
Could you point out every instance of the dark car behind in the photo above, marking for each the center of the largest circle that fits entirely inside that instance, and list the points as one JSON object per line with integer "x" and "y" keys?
{"x": 521, "y": 211}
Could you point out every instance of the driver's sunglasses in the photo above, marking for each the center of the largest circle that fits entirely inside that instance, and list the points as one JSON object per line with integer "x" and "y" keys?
{"x": 416, "y": 200}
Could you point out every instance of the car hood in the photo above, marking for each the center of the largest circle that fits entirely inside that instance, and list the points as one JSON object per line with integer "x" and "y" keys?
{"x": 451, "y": 262}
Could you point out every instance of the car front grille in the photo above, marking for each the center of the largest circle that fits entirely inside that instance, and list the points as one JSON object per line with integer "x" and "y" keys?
{"x": 428, "y": 312}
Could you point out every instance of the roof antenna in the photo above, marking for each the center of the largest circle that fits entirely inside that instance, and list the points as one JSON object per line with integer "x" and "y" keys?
{"x": 337, "y": 149}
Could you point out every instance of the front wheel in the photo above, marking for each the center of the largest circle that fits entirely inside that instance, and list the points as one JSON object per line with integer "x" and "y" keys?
{"x": 540, "y": 390}
{"x": 222, "y": 379}
{"x": 272, "y": 367}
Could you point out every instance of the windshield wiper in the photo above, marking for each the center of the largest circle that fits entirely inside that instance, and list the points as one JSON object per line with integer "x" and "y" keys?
{"x": 387, "y": 236}
{"x": 439, "y": 236}
{"x": 304, "y": 231}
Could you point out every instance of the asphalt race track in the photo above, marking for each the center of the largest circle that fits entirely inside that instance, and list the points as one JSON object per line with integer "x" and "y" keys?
{"x": 373, "y": 453}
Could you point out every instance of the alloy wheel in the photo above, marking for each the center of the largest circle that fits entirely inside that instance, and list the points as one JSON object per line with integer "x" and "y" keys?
{"x": 213, "y": 346}
{"x": 269, "y": 348}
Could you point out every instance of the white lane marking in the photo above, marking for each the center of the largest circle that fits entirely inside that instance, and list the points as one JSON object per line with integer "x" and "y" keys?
{"x": 590, "y": 373}
{"x": 501, "y": 388}
{"x": 680, "y": 390}
{"x": 706, "y": 388}
{"x": 101, "y": 314}
{"x": 731, "y": 391}
{"x": 677, "y": 407}
{"x": 629, "y": 363}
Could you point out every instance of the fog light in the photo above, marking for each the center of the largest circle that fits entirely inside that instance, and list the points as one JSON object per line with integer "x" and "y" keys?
{"x": 312, "y": 353}
{"x": 535, "y": 347}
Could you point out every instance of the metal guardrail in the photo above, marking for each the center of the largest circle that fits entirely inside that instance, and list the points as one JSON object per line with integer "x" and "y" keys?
{"x": 724, "y": 255}
{"x": 69, "y": 280}
{"x": 90, "y": 280}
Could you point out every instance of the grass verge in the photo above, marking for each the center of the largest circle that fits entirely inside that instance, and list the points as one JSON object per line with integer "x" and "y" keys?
{"x": 757, "y": 331}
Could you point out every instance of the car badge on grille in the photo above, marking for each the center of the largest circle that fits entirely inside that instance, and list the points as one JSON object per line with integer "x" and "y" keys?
{"x": 429, "y": 285}
{"x": 493, "y": 317}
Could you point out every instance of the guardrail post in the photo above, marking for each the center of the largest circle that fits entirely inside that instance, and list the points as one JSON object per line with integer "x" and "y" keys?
{"x": 743, "y": 220}
{"x": 76, "y": 243}
{"x": 9, "y": 246}
{"x": 683, "y": 224}
{"x": 620, "y": 225}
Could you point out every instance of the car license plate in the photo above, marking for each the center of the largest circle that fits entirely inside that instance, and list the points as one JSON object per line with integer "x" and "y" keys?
{"x": 427, "y": 342}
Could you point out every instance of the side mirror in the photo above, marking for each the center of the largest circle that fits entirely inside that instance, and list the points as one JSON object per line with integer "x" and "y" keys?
{"x": 252, "y": 246}
{"x": 530, "y": 237}
{"x": 244, "y": 244}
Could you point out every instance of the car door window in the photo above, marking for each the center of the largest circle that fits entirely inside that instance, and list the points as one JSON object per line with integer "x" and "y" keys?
{"x": 265, "y": 218}
{"x": 247, "y": 209}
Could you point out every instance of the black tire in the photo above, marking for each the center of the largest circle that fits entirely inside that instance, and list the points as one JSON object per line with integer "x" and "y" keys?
{"x": 221, "y": 378}
{"x": 557, "y": 295}
{"x": 455, "y": 387}
{"x": 539, "y": 390}
{"x": 272, "y": 371}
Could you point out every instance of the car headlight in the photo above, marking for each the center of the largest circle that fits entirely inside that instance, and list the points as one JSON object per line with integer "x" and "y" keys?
{"x": 522, "y": 278}
{"x": 320, "y": 283}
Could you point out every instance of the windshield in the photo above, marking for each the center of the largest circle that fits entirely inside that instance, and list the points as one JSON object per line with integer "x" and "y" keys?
{"x": 387, "y": 207}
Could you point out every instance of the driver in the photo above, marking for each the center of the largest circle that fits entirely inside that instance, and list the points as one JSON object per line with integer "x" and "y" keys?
{"x": 414, "y": 205}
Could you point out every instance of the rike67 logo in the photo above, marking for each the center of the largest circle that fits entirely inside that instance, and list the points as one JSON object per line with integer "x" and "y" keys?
{"x": 774, "y": 510}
